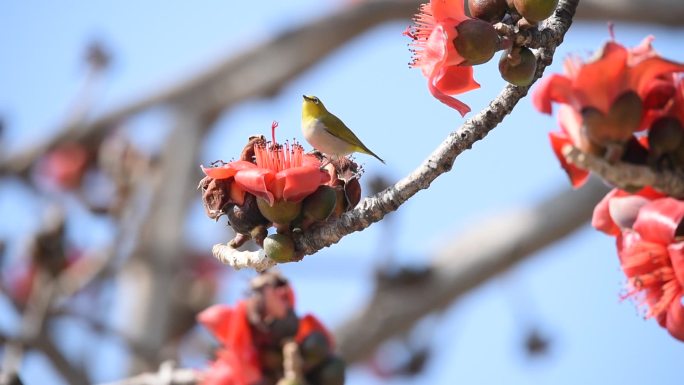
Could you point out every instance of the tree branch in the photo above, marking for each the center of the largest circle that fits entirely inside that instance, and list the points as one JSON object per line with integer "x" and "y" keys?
{"x": 668, "y": 12}
{"x": 374, "y": 208}
{"x": 627, "y": 176}
{"x": 485, "y": 250}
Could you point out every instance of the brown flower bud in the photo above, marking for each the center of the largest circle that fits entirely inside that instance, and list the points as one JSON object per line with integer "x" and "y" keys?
{"x": 518, "y": 67}
{"x": 477, "y": 41}
{"x": 618, "y": 125}
{"x": 488, "y": 10}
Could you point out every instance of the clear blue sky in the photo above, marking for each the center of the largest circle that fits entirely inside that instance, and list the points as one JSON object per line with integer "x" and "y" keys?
{"x": 570, "y": 290}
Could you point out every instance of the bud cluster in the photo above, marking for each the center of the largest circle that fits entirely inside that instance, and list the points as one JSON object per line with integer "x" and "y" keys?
{"x": 279, "y": 186}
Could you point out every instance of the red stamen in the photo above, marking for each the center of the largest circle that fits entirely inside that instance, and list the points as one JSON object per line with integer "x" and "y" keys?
{"x": 273, "y": 127}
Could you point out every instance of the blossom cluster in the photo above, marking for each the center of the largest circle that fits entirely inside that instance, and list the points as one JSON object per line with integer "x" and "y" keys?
{"x": 278, "y": 185}
{"x": 627, "y": 105}
{"x": 447, "y": 43}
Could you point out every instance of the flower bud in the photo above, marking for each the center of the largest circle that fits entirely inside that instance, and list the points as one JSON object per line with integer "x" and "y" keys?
{"x": 664, "y": 138}
{"x": 624, "y": 210}
{"x": 244, "y": 219}
{"x": 314, "y": 349}
{"x": 282, "y": 212}
{"x": 477, "y": 41}
{"x": 618, "y": 125}
{"x": 518, "y": 69}
{"x": 488, "y": 10}
{"x": 279, "y": 247}
{"x": 319, "y": 205}
{"x": 331, "y": 372}
{"x": 535, "y": 10}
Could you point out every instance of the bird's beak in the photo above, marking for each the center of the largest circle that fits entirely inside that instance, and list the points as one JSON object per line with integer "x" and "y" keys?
{"x": 308, "y": 99}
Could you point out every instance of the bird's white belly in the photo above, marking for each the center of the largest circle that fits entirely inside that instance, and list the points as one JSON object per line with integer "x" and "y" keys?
{"x": 315, "y": 133}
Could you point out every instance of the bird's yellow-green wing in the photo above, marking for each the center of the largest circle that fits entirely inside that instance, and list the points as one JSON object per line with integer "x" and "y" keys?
{"x": 336, "y": 127}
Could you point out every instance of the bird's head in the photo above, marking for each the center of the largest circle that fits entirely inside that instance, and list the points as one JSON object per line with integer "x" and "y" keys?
{"x": 312, "y": 107}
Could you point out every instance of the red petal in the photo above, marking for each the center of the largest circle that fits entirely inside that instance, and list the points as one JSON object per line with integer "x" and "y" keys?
{"x": 309, "y": 324}
{"x": 578, "y": 176}
{"x": 601, "y": 219}
{"x": 237, "y": 194}
{"x": 454, "y": 103}
{"x": 641, "y": 76}
{"x": 445, "y": 9}
{"x": 554, "y": 88}
{"x": 456, "y": 79}
{"x": 295, "y": 184}
{"x": 675, "y": 319}
{"x": 217, "y": 319}
{"x": 600, "y": 81}
{"x": 658, "y": 220}
{"x": 227, "y": 170}
{"x": 257, "y": 181}
{"x": 676, "y": 251}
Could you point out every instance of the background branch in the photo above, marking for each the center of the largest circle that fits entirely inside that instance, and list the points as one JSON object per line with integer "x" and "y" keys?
{"x": 476, "y": 255}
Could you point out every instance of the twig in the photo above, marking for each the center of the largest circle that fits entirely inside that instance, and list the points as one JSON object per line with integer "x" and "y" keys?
{"x": 627, "y": 176}
{"x": 487, "y": 249}
{"x": 167, "y": 375}
{"x": 242, "y": 259}
{"x": 374, "y": 208}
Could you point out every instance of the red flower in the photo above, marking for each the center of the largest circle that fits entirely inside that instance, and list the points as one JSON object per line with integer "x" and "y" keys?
{"x": 281, "y": 172}
{"x": 652, "y": 257}
{"x": 618, "y": 209}
{"x": 598, "y": 82}
{"x": 433, "y": 36}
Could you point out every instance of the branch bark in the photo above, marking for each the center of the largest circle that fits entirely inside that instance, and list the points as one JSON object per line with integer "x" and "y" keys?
{"x": 374, "y": 208}
{"x": 627, "y": 176}
{"x": 668, "y": 12}
{"x": 479, "y": 254}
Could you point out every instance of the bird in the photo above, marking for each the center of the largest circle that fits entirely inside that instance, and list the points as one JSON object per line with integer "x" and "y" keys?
{"x": 327, "y": 133}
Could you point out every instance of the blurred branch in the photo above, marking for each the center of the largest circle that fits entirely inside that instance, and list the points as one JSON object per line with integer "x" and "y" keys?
{"x": 236, "y": 78}
{"x": 242, "y": 259}
{"x": 484, "y": 250}
{"x": 627, "y": 176}
{"x": 668, "y": 12}
{"x": 167, "y": 375}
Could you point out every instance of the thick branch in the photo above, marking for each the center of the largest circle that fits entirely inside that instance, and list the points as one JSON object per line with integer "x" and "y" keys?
{"x": 627, "y": 176}
{"x": 167, "y": 375}
{"x": 669, "y": 12}
{"x": 485, "y": 250}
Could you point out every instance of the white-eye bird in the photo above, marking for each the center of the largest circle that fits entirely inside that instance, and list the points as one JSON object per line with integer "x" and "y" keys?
{"x": 327, "y": 133}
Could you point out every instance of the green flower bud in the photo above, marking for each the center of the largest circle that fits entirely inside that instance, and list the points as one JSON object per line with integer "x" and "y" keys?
{"x": 314, "y": 349}
{"x": 279, "y": 247}
{"x": 319, "y": 205}
{"x": 518, "y": 69}
{"x": 488, "y": 10}
{"x": 281, "y": 212}
{"x": 331, "y": 372}
{"x": 535, "y": 10}
{"x": 477, "y": 41}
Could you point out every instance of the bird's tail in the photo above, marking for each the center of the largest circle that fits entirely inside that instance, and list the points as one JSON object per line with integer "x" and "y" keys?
{"x": 367, "y": 151}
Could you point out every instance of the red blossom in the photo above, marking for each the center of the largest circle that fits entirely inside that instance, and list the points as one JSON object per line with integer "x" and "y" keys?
{"x": 433, "y": 37}
{"x": 281, "y": 173}
{"x": 652, "y": 258}
{"x": 619, "y": 208}
{"x": 598, "y": 82}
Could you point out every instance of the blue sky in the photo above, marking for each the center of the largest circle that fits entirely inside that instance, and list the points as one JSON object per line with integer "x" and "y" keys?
{"x": 571, "y": 289}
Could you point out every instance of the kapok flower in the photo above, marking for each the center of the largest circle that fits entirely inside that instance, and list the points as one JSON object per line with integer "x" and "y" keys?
{"x": 618, "y": 210}
{"x": 599, "y": 82}
{"x": 281, "y": 172}
{"x": 652, "y": 257}
{"x": 435, "y": 53}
